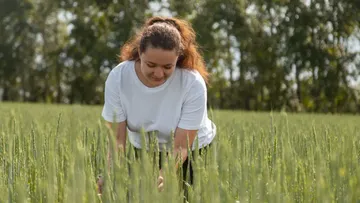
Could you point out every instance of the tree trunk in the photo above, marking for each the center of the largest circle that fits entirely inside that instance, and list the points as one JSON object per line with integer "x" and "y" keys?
{"x": 5, "y": 95}
{"x": 298, "y": 83}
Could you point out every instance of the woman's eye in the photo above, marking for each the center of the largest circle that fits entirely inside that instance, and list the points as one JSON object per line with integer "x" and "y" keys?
{"x": 168, "y": 67}
{"x": 151, "y": 65}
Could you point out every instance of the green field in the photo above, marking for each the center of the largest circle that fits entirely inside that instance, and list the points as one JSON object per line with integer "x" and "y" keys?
{"x": 51, "y": 153}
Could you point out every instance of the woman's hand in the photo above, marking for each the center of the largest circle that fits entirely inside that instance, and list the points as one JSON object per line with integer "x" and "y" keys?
{"x": 100, "y": 184}
{"x": 160, "y": 181}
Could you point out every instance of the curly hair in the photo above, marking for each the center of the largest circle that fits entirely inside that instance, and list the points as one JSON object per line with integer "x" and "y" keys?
{"x": 168, "y": 33}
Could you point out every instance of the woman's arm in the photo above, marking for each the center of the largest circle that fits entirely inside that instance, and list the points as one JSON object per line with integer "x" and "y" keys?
{"x": 181, "y": 145}
{"x": 120, "y": 144}
{"x": 180, "y": 152}
{"x": 120, "y": 138}
{"x": 192, "y": 115}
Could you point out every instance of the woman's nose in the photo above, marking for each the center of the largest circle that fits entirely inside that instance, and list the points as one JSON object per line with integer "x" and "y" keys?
{"x": 159, "y": 72}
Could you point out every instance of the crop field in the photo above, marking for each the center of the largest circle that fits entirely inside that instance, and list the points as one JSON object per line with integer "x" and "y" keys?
{"x": 54, "y": 153}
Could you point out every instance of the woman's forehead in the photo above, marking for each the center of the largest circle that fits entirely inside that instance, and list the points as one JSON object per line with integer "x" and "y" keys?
{"x": 159, "y": 56}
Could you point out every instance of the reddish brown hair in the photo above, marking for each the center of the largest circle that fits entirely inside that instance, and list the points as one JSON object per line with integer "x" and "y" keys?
{"x": 187, "y": 47}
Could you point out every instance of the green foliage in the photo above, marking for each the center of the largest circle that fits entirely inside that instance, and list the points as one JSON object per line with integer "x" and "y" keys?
{"x": 262, "y": 55}
{"x": 53, "y": 153}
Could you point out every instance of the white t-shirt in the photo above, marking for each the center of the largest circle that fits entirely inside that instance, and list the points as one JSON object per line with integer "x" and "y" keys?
{"x": 179, "y": 102}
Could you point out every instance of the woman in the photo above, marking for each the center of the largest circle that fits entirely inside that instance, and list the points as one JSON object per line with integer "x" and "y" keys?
{"x": 160, "y": 85}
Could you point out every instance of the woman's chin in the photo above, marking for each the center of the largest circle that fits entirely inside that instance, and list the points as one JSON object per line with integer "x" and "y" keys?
{"x": 157, "y": 82}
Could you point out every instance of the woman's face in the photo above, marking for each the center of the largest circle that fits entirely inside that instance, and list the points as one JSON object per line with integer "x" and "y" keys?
{"x": 157, "y": 65}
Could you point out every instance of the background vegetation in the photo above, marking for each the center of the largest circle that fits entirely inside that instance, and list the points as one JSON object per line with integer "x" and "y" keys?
{"x": 298, "y": 55}
{"x": 53, "y": 153}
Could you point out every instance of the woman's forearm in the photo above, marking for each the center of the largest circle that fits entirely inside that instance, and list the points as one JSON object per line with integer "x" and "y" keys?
{"x": 121, "y": 137}
{"x": 183, "y": 140}
{"x": 181, "y": 155}
{"x": 120, "y": 140}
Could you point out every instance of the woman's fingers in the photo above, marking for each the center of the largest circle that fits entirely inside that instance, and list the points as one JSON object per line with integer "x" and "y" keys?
{"x": 100, "y": 183}
{"x": 160, "y": 179}
{"x": 160, "y": 183}
{"x": 161, "y": 187}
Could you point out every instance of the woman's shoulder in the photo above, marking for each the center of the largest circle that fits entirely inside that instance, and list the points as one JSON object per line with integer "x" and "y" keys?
{"x": 191, "y": 76}
{"x": 119, "y": 74}
{"x": 122, "y": 69}
{"x": 192, "y": 79}
{"x": 123, "y": 65}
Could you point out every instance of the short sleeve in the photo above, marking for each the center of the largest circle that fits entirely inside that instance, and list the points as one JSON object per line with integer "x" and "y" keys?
{"x": 194, "y": 107}
{"x": 112, "y": 110}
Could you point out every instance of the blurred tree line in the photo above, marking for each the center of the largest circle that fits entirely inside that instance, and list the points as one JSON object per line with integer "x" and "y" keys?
{"x": 298, "y": 55}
